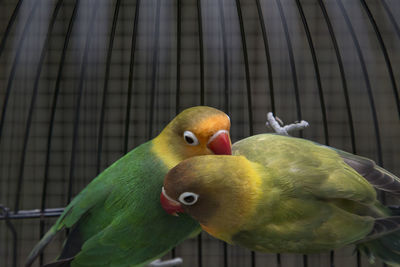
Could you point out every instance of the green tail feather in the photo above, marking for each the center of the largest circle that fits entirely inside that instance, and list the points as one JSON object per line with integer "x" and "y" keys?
{"x": 40, "y": 246}
{"x": 385, "y": 248}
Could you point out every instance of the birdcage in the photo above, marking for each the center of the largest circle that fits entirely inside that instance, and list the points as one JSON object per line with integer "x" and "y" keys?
{"x": 84, "y": 81}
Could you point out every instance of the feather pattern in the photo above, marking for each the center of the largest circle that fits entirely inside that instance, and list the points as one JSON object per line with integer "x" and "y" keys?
{"x": 112, "y": 214}
{"x": 383, "y": 227}
{"x": 117, "y": 220}
{"x": 375, "y": 175}
{"x": 309, "y": 198}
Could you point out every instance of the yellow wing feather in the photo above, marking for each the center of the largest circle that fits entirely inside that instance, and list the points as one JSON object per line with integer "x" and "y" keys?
{"x": 306, "y": 167}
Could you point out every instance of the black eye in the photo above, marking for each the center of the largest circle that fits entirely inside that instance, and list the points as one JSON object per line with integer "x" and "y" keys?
{"x": 190, "y": 138}
{"x": 188, "y": 198}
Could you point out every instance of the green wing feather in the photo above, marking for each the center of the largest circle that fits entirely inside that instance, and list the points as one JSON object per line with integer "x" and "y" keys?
{"x": 118, "y": 215}
{"x": 91, "y": 196}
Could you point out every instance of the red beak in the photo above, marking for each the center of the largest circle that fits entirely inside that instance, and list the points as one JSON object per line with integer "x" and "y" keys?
{"x": 169, "y": 205}
{"x": 220, "y": 143}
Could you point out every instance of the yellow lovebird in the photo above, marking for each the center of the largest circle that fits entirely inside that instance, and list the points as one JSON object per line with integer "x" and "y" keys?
{"x": 283, "y": 194}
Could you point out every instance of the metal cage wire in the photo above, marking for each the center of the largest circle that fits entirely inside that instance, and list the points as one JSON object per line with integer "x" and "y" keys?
{"x": 83, "y": 82}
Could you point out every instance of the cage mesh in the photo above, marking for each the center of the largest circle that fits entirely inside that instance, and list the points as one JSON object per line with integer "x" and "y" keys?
{"x": 82, "y": 82}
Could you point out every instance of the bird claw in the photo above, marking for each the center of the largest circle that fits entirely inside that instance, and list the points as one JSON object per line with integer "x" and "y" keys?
{"x": 277, "y": 125}
{"x": 166, "y": 263}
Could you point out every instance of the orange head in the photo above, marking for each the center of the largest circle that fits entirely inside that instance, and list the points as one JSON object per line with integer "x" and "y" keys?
{"x": 195, "y": 131}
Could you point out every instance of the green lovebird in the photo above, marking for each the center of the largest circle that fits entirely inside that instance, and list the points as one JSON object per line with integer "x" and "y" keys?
{"x": 283, "y": 194}
{"x": 117, "y": 220}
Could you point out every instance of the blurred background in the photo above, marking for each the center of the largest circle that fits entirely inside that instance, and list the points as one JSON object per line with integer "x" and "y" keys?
{"x": 84, "y": 81}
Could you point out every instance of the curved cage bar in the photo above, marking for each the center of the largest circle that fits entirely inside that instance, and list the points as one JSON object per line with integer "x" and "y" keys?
{"x": 83, "y": 82}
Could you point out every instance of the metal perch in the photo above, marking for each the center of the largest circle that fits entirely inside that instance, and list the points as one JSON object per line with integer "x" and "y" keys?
{"x": 166, "y": 263}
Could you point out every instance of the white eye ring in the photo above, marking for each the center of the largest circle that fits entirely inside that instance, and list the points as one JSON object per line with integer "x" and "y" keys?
{"x": 190, "y": 138}
{"x": 188, "y": 198}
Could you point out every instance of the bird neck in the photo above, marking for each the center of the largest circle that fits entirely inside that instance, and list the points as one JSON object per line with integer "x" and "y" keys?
{"x": 237, "y": 206}
{"x": 166, "y": 150}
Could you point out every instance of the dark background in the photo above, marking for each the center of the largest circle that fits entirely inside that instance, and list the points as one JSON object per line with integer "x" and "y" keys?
{"x": 82, "y": 82}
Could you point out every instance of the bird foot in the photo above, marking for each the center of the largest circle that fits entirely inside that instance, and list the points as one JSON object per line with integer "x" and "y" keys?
{"x": 277, "y": 125}
{"x": 166, "y": 263}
